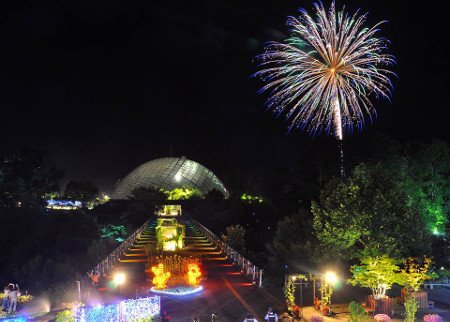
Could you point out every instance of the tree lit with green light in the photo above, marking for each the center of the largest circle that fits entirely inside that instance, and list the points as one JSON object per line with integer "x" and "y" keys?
{"x": 182, "y": 194}
{"x": 251, "y": 199}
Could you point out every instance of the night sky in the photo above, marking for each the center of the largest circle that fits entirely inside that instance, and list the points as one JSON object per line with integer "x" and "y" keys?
{"x": 107, "y": 85}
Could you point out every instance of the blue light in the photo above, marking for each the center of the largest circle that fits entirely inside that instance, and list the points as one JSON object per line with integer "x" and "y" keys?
{"x": 15, "y": 319}
{"x": 189, "y": 292}
{"x": 128, "y": 310}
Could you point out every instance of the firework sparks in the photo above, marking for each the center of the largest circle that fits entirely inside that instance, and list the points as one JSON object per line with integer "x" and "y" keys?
{"x": 322, "y": 77}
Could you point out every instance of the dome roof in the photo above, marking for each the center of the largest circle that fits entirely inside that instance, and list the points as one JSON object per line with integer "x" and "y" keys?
{"x": 168, "y": 174}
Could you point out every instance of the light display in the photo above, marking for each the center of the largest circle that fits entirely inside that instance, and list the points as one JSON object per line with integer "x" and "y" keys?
{"x": 170, "y": 245}
{"x": 15, "y": 319}
{"x": 128, "y": 310}
{"x": 161, "y": 277}
{"x": 178, "y": 291}
{"x": 169, "y": 234}
{"x": 193, "y": 274}
{"x": 169, "y": 174}
{"x": 322, "y": 76}
{"x": 98, "y": 313}
{"x": 169, "y": 210}
{"x": 135, "y": 310}
{"x": 63, "y": 204}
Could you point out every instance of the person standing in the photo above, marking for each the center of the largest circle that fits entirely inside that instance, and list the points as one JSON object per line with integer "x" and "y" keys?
{"x": 94, "y": 276}
{"x": 5, "y": 303}
{"x": 13, "y": 294}
{"x": 271, "y": 316}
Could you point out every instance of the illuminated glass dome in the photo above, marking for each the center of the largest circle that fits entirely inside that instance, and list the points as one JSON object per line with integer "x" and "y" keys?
{"x": 168, "y": 174}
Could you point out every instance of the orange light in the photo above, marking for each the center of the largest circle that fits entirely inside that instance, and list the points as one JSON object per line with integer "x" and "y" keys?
{"x": 193, "y": 274}
{"x": 161, "y": 277}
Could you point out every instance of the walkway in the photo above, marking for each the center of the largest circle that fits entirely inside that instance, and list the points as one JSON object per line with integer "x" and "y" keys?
{"x": 225, "y": 290}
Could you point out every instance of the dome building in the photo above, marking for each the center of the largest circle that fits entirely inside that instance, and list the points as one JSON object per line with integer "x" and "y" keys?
{"x": 168, "y": 174}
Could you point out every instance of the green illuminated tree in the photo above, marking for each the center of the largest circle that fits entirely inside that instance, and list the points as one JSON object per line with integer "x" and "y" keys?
{"x": 368, "y": 215}
{"x": 427, "y": 183}
{"x": 377, "y": 273}
{"x": 415, "y": 273}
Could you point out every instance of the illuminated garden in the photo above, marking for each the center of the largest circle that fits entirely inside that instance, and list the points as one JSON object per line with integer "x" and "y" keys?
{"x": 224, "y": 161}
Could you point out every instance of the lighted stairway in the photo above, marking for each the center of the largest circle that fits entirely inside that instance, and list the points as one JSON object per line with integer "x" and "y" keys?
{"x": 133, "y": 261}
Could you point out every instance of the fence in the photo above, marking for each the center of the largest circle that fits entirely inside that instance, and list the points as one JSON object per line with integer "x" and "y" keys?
{"x": 106, "y": 264}
{"x": 250, "y": 270}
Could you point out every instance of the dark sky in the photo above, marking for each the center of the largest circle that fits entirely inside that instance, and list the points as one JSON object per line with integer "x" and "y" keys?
{"x": 107, "y": 85}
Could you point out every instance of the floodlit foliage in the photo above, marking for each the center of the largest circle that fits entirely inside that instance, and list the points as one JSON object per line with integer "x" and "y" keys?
{"x": 368, "y": 215}
{"x": 376, "y": 273}
{"x": 357, "y": 312}
{"x": 251, "y": 199}
{"x": 411, "y": 306}
{"x": 116, "y": 232}
{"x": 415, "y": 272}
{"x": 182, "y": 194}
{"x": 289, "y": 293}
{"x": 326, "y": 290}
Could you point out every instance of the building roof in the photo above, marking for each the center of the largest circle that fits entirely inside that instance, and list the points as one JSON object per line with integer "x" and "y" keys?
{"x": 168, "y": 174}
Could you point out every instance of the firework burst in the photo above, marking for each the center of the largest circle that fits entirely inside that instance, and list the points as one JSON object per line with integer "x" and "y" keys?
{"x": 321, "y": 78}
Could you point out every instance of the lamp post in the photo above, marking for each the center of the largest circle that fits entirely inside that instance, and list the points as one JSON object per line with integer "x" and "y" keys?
{"x": 119, "y": 279}
{"x": 331, "y": 279}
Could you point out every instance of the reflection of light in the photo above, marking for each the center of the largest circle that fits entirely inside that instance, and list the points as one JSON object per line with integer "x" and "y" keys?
{"x": 178, "y": 177}
{"x": 331, "y": 277}
{"x": 119, "y": 278}
{"x": 195, "y": 290}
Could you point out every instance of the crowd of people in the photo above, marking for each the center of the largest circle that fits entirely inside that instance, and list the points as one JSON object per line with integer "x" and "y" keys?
{"x": 11, "y": 294}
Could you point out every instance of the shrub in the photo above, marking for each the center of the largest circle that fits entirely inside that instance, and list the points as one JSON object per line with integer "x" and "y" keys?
{"x": 411, "y": 306}
{"x": 357, "y": 312}
{"x": 65, "y": 316}
{"x": 433, "y": 318}
{"x": 316, "y": 318}
{"x": 382, "y": 318}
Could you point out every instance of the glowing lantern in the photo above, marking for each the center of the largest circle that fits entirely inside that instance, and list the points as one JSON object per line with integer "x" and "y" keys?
{"x": 161, "y": 277}
{"x": 193, "y": 274}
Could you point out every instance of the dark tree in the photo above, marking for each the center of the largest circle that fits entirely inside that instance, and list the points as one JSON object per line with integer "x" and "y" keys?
{"x": 81, "y": 190}
{"x": 27, "y": 177}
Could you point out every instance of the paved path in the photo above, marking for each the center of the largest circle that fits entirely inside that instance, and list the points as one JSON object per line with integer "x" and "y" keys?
{"x": 225, "y": 290}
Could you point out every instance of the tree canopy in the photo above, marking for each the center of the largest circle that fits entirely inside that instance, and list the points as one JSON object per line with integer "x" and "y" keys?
{"x": 81, "y": 190}
{"x": 27, "y": 176}
{"x": 368, "y": 214}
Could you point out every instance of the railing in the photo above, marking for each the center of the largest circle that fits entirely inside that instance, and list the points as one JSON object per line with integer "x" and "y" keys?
{"x": 107, "y": 264}
{"x": 250, "y": 270}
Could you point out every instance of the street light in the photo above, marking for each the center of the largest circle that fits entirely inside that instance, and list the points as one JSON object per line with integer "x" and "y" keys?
{"x": 331, "y": 279}
{"x": 119, "y": 278}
